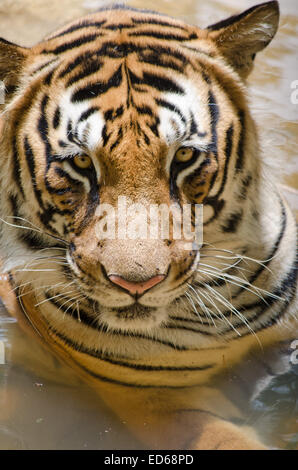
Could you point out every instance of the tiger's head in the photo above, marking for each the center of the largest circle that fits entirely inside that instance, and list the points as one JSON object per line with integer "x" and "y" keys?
{"x": 129, "y": 104}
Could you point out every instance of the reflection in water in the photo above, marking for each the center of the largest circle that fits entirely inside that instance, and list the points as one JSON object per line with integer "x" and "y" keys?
{"x": 278, "y": 405}
{"x": 46, "y": 414}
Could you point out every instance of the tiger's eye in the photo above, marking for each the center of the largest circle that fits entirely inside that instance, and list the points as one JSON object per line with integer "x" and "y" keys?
{"x": 82, "y": 161}
{"x": 184, "y": 154}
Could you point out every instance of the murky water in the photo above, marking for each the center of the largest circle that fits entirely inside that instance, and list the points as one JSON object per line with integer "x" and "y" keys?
{"x": 46, "y": 414}
{"x": 56, "y": 412}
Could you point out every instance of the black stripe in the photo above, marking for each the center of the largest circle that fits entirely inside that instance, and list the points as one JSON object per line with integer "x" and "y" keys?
{"x": 15, "y": 207}
{"x": 186, "y": 328}
{"x": 232, "y": 222}
{"x": 206, "y": 77}
{"x": 177, "y": 167}
{"x": 72, "y": 45}
{"x": 39, "y": 69}
{"x": 272, "y": 253}
{"x": 93, "y": 198}
{"x": 48, "y": 77}
{"x": 89, "y": 69}
{"x": 158, "y": 23}
{"x": 115, "y": 50}
{"x": 245, "y": 184}
{"x": 105, "y": 135}
{"x": 268, "y": 300}
{"x": 101, "y": 377}
{"x": 120, "y": 6}
{"x": 194, "y": 128}
{"x": 167, "y": 37}
{"x": 69, "y": 133}
{"x": 16, "y": 166}
{"x": 31, "y": 239}
{"x": 213, "y": 145}
{"x": 31, "y": 165}
{"x": 81, "y": 25}
{"x": 111, "y": 114}
{"x": 217, "y": 206}
{"x": 132, "y": 384}
{"x": 214, "y": 201}
{"x": 214, "y": 117}
{"x": 118, "y": 139}
{"x": 228, "y": 152}
{"x": 42, "y": 127}
{"x": 118, "y": 26}
{"x": 198, "y": 171}
{"x": 144, "y": 110}
{"x": 81, "y": 59}
{"x": 59, "y": 191}
{"x": 96, "y": 89}
{"x": 289, "y": 283}
{"x": 158, "y": 82}
{"x": 240, "y": 150}
{"x": 157, "y": 51}
{"x": 198, "y": 321}
{"x": 171, "y": 107}
{"x": 146, "y": 138}
{"x": 86, "y": 114}
{"x": 104, "y": 356}
{"x": 156, "y": 55}
{"x": 56, "y": 118}
{"x": 104, "y": 329}
{"x": 9, "y": 90}
{"x": 159, "y": 61}
{"x": 85, "y": 318}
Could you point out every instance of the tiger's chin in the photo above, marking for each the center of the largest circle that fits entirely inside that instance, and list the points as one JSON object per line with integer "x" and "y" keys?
{"x": 135, "y": 317}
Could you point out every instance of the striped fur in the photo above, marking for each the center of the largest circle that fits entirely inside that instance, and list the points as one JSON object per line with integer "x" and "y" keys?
{"x": 129, "y": 88}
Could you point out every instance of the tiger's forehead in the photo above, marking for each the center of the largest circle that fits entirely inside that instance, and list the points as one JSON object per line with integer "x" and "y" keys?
{"x": 123, "y": 68}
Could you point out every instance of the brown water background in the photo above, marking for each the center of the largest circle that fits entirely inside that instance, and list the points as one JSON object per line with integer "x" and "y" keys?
{"x": 41, "y": 414}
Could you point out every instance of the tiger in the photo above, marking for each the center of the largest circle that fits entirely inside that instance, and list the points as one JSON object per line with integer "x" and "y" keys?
{"x": 133, "y": 103}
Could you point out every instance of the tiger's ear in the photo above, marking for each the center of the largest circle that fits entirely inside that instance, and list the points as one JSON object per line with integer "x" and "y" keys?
{"x": 12, "y": 58}
{"x": 240, "y": 37}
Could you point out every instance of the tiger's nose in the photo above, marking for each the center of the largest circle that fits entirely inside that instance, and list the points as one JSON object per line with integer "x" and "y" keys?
{"x": 136, "y": 287}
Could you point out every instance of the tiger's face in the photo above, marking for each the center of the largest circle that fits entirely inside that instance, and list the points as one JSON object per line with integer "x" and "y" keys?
{"x": 125, "y": 104}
